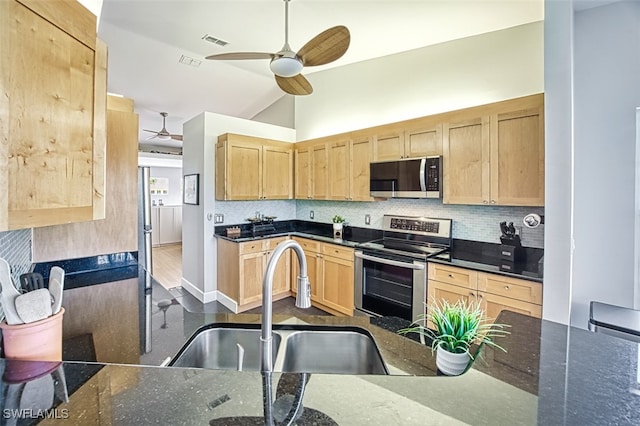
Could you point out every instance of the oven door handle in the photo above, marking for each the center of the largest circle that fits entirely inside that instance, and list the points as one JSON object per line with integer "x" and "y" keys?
{"x": 389, "y": 261}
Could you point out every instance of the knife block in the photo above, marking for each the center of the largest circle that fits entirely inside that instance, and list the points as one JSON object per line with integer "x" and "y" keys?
{"x": 509, "y": 253}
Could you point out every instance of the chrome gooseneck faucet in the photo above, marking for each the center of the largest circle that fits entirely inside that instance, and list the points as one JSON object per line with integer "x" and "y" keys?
{"x": 303, "y": 298}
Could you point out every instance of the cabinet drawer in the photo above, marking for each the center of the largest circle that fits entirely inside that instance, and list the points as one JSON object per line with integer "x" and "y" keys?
{"x": 452, "y": 275}
{"x": 272, "y": 243}
{"x": 252, "y": 246}
{"x": 526, "y": 291}
{"x": 309, "y": 245}
{"x": 494, "y": 304}
{"x": 340, "y": 252}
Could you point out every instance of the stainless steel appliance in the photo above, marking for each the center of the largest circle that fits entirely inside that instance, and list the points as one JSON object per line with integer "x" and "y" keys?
{"x": 144, "y": 219}
{"x": 407, "y": 178}
{"x": 391, "y": 273}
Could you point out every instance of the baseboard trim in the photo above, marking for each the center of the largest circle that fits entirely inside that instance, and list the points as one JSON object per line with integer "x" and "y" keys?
{"x": 197, "y": 293}
{"x": 227, "y": 302}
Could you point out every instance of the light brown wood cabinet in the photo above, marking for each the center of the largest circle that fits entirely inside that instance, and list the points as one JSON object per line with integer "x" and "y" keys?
{"x": 493, "y": 292}
{"x": 334, "y": 168}
{"x": 419, "y": 141}
{"x": 330, "y": 270}
{"x": 53, "y": 115}
{"x": 250, "y": 168}
{"x": 241, "y": 269}
{"x": 496, "y": 158}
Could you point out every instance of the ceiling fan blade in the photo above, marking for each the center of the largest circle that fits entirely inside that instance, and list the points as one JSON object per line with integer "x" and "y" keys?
{"x": 176, "y": 137}
{"x": 152, "y": 131}
{"x": 296, "y": 85}
{"x": 150, "y": 137}
{"x": 241, "y": 56}
{"x": 326, "y": 47}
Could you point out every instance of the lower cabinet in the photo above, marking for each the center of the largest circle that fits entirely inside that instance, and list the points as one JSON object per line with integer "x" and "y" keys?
{"x": 166, "y": 225}
{"x": 241, "y": 269}
{"x": 330, "y": 270}
{"x": 493, "y": 292}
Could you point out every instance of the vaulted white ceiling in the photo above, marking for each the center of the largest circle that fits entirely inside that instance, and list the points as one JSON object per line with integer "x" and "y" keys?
{"x": 146, "y": 39}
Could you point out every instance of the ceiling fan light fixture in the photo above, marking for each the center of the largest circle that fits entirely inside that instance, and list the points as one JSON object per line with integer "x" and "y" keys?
{"x": 163, "y": 137}
{"x": 286, "y": 66}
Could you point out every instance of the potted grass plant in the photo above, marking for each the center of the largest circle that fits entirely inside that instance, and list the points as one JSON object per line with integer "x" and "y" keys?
{"x": 456, "y": 327}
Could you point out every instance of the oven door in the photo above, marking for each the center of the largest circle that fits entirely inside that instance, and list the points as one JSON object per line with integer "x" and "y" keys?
{"x": 390, "y": 285}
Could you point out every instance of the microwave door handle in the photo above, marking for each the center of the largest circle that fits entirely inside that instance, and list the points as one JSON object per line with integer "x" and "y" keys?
{"x": 423, "y": 173}
{"x": 389, "y": 261}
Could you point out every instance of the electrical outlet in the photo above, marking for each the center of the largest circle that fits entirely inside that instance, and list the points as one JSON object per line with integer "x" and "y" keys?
{"x": 311, "y": 215}
{"x": 219, "y": 218}
{"x": 367, "y": 219}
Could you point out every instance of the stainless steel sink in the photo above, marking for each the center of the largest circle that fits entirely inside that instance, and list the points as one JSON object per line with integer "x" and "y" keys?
{"x": 341, "y": 352}
{"x": 296, "y": 348}
{"x": 217, "y": 348}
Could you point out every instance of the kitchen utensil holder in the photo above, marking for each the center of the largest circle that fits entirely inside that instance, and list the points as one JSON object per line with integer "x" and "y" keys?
{"x": 35, "y": 341}
{"x": 510, "y": 253}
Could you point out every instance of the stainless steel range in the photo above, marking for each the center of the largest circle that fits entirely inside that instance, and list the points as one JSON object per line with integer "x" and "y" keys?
{"x": 391, "y": 273}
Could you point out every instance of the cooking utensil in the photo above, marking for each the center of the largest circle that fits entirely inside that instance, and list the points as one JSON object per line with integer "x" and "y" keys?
{"x": 31, "y": 281}
{"x": 9, "y": 294}
{"x": 503, "y": 229}
{"x": 34, "y": 305}
{"x": 56, "y": 286}
{"x": 512, "y": 229}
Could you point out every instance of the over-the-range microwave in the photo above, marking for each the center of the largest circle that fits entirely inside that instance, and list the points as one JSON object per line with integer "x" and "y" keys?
{"x": 407, "y": 178}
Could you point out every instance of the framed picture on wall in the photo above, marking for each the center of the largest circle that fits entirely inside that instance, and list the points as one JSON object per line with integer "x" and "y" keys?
{"x": 190, "y": 189}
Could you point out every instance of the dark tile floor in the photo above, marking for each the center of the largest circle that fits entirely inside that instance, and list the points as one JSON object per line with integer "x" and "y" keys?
{"x": 284, "y": 306}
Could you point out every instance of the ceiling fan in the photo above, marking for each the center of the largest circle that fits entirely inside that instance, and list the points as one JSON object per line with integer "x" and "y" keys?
{"x": 286, "y": 64}
{"x": 163, "y": 134}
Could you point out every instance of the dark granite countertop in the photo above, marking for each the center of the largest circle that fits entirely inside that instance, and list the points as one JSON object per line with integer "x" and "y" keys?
{"x": 551, "y": 374}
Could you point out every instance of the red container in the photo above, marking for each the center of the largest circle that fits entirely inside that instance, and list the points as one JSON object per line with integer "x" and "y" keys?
{"x": 35, "y": 341}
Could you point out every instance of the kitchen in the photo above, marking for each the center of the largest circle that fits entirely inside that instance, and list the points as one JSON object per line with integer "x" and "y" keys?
{"x": 561, "y": 209}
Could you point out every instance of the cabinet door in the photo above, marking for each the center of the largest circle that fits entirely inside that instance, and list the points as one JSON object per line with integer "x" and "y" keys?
{"x": 244, "y": 171}
{"x": 466, "y": 162}
{"x": 155, "y": 226}
{"x": 339, "y": 173}
{"x": 389, "y": 146}
{"x": 493, "y": 304}
{"x": 177, "y": 224}
{"x": 423, "y": 142}
{"x": 251, "y": 274}
{"x": 517, "y": 158}
{"x": 319, "y": 170}
{"x": 282, "y": 276}
{"x": 277, "y": 173}
{"x": 303, "y": 174}
{"x": 167, "y": 226}
{"x": 53, "y": 121}
{"x": 338, "y": 284}
{"x": 361, "y": 154}
{"x": 437, "y": 291}
{"x": 314, "y": 272}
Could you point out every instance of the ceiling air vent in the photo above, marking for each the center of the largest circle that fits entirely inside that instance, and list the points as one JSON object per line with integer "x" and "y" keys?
{"x": 189, "y": 61}
{"x": 214, "y": 40}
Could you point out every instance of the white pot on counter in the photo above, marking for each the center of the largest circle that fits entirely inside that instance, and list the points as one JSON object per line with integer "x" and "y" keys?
{"x": 451, "y": 364}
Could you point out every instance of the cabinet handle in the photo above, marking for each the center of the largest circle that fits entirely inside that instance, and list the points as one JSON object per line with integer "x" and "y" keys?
{"x": 480, "y": 296}
{"x": 506, "y": 287}
{"x": 450, "y": 276}
{"x": 493, "y": 201}
{"x": 472, "y": 294}
{"x": 485, "y": 202}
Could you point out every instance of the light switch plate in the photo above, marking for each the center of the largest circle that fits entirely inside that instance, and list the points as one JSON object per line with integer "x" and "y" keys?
{"x": 311, "y": 215}
{"x": 367, "y": 219}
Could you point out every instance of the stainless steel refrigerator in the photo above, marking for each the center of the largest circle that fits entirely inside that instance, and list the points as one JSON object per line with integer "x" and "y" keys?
{"x": 145, "y": 257}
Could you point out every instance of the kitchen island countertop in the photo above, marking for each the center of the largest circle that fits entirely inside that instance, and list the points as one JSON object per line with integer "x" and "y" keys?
{"x": 551, "y": 374}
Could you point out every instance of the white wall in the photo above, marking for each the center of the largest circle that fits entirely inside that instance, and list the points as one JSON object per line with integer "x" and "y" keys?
{"x": 174, "y": 197}
{"x": 280, "y": 113}
{"x": 462, "y": 73}
{"x": 200, "y": 134}
{"x": 606, "y": 94}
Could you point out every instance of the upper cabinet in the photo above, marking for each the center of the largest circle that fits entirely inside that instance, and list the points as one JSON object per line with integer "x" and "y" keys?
{"x": 52, "y": 114}
{"x": 334, "y": 168}
{"x": 418, "y": 140}
{"x": 250, "y": 168}
{"x": 497, "y": 157}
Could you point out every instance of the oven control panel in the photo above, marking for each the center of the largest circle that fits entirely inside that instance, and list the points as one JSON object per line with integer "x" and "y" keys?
{"x": 418, "y": 225}
{"x": 415, "y": 225}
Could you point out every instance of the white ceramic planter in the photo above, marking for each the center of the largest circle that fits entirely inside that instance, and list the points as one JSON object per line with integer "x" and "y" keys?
{"x": 451, "y": 364}
{"x": 337, "y": 230}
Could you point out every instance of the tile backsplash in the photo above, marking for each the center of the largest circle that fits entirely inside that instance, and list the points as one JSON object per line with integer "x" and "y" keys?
{"x": 15, "y": 248}
{"x": 479, "y": 223}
